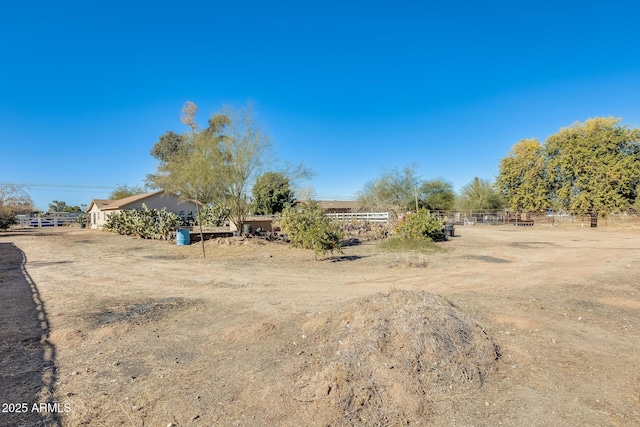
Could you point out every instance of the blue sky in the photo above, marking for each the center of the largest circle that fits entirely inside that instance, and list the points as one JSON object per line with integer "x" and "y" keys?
{"x": 348, "y": 88}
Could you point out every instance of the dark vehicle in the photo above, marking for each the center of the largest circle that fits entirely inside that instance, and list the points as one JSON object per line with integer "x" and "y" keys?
{"x": 41, "y": 223}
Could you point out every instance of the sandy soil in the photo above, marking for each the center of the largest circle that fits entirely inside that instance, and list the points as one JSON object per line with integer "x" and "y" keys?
{"x": 108, "y": 330}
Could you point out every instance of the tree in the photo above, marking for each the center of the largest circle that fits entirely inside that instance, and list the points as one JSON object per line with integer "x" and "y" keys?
{"x": 168, "y": 144}
{"x": 436, "y": 194}
{"x": 191, "y": 172}
{"x": 59, "y": 206}
{"x": 244, "y": 149}
{"x": 14, "y": 200}
{"x": 123, "y": 190}
{"x": 271, "y": 193}
{"x": 479, "y": 194}
{"x": 216, "y": 165}
{"x": 594, "y": 165}
{"x": 522, "y": 177}
{"x": 394, "y": 191}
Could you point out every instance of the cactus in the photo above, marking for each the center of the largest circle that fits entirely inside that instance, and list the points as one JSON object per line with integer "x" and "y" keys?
{"x": 145, "y": 223}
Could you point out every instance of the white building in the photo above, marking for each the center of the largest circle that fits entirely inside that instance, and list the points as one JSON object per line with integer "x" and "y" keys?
{"x": 99, "y": 210}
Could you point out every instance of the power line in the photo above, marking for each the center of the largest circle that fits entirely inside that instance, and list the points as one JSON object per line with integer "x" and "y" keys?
{"x": 104, "y": 187}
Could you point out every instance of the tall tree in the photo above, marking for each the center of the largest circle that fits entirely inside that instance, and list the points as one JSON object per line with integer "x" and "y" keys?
{"x": 217, "y": 164}
{"x": 244, "y": 149}
{"x": 271, "y": 193}
{"x": 437, "y": 194}
{"x": 191, "y": 171}
{"x": 393, "y": 191}
{"x": 522, "y": 177}
{"x": 15, "y": 198}
{"x": 479, "y": 194}
{"x": 595, "y": 165}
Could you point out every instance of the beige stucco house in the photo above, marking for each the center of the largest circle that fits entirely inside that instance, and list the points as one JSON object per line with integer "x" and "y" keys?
{"x": 99, "y": 210}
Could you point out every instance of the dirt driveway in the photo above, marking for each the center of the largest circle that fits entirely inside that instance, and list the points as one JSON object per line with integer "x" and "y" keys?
{"x": 109, "y": 330}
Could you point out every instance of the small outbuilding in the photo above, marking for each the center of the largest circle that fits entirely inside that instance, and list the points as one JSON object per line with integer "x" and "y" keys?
{"x": 265, "y": 223}
{"x": 99, "y": 210}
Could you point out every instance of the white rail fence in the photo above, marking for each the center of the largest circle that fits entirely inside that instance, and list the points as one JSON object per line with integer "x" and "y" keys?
{"x": 353, "y": 217}
{"x": 48, "y": 220}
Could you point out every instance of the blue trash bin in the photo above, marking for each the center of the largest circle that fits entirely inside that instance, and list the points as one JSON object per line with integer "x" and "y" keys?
{"x": 183, "y": 238}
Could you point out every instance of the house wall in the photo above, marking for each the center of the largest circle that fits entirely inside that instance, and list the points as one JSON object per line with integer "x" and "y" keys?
{"x": 159, "y": 201}
{"x": 98, "y": 217}
{"x": 265, "y": 223}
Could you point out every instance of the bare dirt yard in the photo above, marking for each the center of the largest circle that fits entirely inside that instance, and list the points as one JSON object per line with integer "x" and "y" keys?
{"x": 503, "y": 326}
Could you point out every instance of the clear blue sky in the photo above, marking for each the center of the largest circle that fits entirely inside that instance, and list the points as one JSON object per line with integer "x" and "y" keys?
{"x": 349, "y": 88}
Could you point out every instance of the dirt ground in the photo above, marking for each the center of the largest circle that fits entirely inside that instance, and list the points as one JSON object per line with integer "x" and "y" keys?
{"x": 107, "y": 330}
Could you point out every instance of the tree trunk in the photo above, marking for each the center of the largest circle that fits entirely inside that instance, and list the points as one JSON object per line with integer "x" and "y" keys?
{"x": 204, "y": 255}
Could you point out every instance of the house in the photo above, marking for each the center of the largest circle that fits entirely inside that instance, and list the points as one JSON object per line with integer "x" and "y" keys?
{"x": 99, "y": 210}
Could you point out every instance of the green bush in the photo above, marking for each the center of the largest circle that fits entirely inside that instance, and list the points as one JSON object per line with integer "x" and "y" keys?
{"x": 7, "y": 218}
{"x": 420, "y": 225}
{"x": 145, "y": 223}
{"x": 309, "y": 228}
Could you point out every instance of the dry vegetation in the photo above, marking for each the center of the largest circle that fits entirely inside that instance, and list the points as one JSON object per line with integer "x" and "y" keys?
{"x": 501, "y": 325}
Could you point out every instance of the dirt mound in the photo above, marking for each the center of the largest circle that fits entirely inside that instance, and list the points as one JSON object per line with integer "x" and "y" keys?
{"x": 392, "y": 358}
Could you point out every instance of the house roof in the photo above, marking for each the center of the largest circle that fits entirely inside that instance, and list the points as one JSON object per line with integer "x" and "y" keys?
{"x": 109, "y": 205}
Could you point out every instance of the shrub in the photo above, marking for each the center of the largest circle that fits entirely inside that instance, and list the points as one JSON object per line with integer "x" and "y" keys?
{"x": 145, "y": 223}
{"x": 7, "y": 217}
{"x": 420, "y": 225}
{"x": 309, "y": 228}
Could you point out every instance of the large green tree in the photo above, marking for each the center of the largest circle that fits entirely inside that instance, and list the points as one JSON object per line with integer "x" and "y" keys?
{"x": 522, "y": 177}
{"x": 436, "y": 194}
{"x": 479, "y": 194}
{"x": 271, "y": 193}
{"x": 595, "y": 165}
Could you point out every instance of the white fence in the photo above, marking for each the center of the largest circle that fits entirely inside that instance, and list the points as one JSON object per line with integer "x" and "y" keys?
{"x": 48, "y": 220}
{"x": 353, "y": 217}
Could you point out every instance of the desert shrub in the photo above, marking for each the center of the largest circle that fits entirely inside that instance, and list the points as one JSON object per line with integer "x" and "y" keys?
{"x": 420, "y": 225}
{"x": 398, "y": 244}
{"x": 309, "y": 228}
{"x": 7, "y": 217}
{"x": 145, "y": 223}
